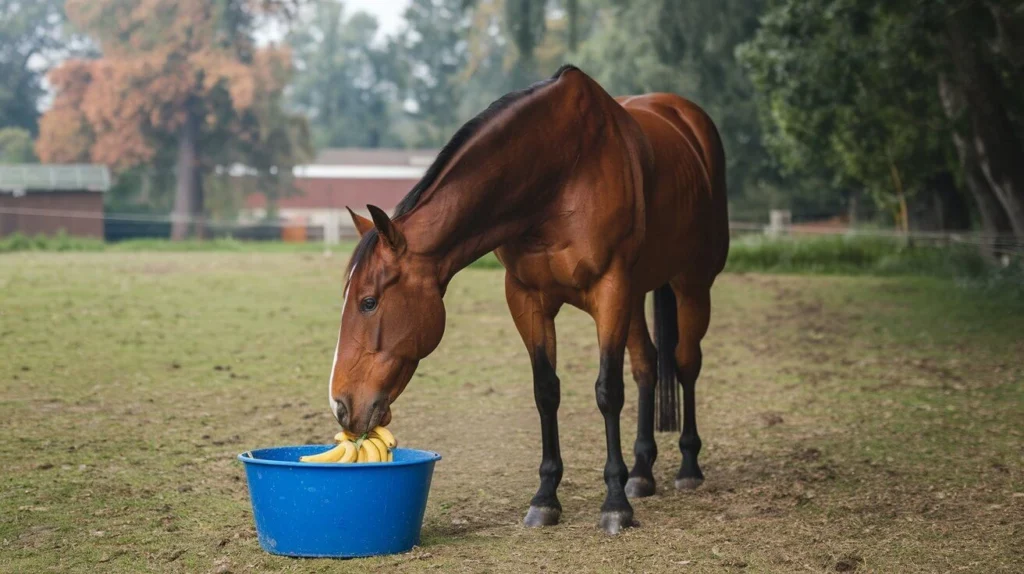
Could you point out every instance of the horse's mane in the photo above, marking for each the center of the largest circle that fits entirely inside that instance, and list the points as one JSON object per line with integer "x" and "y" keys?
{"x": 463, "y": 135}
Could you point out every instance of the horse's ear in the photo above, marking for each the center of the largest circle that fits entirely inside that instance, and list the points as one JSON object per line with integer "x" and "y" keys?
{"x": 389, "y": 234}
{"x": 362, "y": 224}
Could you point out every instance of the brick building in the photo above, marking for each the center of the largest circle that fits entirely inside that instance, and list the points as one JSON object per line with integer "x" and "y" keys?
{"x": 345, "y": 177}
{"x": 47, "y": 198}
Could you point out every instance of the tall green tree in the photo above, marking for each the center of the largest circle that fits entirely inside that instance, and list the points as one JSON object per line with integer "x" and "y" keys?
{"x": 434, "y": 51}
{"x": 848, "y": 94}
{"x": 526, "y": 22}
{"x": 688, "y": 49}
{"x": 344, "y": 82}
{"x": 896, "y": 98}
{"x": 983, "y": 92}
{"x": 31, "y": 37}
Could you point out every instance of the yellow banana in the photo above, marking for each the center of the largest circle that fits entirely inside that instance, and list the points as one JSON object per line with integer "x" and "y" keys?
{"x": 385, "y": 435}
{"x": 377, "y": 446}
{"x": 383, "y": 448}
{"x": 372, "y": 454}
{"x": 332, "y": 455}
{"x": 345, "y": 435}
{"x": 350, "y": 452}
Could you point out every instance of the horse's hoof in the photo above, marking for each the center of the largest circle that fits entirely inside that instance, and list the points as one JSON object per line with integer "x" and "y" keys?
{"x": 639, "y": 487}
{"x": 614, "y": 521}
{"x": 542, "y": 516}
{"x": 689, "y": 483}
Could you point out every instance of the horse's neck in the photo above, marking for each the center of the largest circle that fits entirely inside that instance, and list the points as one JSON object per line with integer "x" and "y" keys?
{"x": 490, "y": 195}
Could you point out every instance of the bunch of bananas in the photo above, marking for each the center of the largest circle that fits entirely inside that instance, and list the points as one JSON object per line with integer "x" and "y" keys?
{"x": 374, "y": 446}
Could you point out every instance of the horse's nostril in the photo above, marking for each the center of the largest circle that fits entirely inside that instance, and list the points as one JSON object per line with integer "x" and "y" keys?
{"x": 342, "y": 411}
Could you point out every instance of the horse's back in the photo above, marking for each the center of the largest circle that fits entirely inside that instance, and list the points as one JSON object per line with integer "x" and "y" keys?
{"x": 687, "y": 231}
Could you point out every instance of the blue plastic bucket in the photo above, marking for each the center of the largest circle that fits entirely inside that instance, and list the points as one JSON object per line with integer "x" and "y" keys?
{"x": 337, "y": 510}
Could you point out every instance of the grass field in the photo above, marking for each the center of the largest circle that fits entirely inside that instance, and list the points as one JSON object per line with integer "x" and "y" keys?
{"x": 850, "y": 424}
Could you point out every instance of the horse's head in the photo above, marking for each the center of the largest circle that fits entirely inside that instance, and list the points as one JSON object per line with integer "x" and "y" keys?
{"x": 393, "y": 316}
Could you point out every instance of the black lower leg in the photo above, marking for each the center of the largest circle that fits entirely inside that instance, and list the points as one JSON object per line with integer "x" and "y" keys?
{"x": 545, "y": 508}
{"x": 641, "y": 478}
{"x": 690, "y": 475}
{"x": 616, "y": 512}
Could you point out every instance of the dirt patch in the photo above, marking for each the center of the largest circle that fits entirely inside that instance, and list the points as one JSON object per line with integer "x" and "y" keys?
{"x": 845, "y": 427}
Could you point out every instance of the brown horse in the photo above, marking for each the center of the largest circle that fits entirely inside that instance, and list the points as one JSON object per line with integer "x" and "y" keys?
{"x": 586, "y": 200}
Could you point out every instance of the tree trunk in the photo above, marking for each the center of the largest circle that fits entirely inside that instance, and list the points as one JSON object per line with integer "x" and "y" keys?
{"x": 146, "y": 185}
{"x": 573, "y": 14}
{"x": 902, "y": 217}
{"x": 1009, "y": 23}
{"x": 994, "y": 220}
{"x": 950, "y": 208}
{"x": 199, "y": 204}
{"x": 995, "y": 142}
{"x": 186, "y": 194}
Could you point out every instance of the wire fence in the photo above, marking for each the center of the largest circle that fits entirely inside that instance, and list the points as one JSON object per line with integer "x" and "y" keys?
{"x": 120, "y": 226}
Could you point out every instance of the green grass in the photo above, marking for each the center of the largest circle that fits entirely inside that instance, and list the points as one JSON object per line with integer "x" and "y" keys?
{"x": 222, "y": 244}
{"x": 839, "y": 255}
{"x": 62, "y": 242}
{"x": 59, "y": 242}
{"x": 855, "y": 255}
{"x": 877, "y": 256}
{"x": 848, "y": 422}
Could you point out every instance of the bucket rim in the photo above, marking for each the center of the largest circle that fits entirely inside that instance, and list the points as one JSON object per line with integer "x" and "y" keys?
{"x": 248, "y": 458}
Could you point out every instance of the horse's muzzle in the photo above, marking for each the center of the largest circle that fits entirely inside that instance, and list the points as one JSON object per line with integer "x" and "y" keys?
{"x": 362, "y": 420}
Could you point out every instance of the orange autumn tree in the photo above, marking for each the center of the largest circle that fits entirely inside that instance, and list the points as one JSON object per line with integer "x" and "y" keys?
{"x": 178, "y": 78}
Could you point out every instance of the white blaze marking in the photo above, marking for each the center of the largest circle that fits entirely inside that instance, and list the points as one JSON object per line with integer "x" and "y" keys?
{"x": 337, "y": 347}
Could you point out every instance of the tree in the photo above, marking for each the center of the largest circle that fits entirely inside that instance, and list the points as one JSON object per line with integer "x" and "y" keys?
{"x": 344, "y": 83}
{"x": 485, "y": 76}
{"x": 656, "y": 45}
{"x": 184, "y": 74}
{"x": 846, "y": 94}
{"x": 16, "y": 146}
{"x": 457, "y": 56}
{"x": 526, "y": 21}
{"x": 534, "y": 36}
{"x": 434, "y": 51}
{"x": 30, "y": 36}
{"x": 989, "y": 93}
{"x": 896, "y": 98}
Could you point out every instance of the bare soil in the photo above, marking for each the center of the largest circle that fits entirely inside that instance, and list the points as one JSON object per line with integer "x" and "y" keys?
{"x": 849, "y": 424}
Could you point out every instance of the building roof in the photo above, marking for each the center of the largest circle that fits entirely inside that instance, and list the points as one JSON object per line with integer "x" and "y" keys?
{"x": 375, "y": 157}
{"x": 359, "y": 163}
{"x": 54, "y": 177}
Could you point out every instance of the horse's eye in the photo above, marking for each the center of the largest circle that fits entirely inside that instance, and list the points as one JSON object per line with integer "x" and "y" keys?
{"x": 368, "y": 304}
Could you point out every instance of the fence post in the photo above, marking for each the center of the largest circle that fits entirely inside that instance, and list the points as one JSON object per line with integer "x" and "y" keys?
{"x": 779, "y": 221}
{"x": 331, "y": 228}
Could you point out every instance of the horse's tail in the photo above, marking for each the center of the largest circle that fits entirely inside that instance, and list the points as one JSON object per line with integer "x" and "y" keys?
{"x": 666, "y": 338}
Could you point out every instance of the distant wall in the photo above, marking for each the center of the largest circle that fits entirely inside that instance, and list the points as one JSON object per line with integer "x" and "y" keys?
{"x": 78, "y": 213}
{"x": 317, "y": 193}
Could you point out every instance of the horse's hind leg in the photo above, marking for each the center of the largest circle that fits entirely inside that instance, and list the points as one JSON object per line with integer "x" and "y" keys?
{"x": 610, "y": 304}
{"x": 643, "y": 358}
{"x": 535, "y": 322}
{"x": 694, "y": 313}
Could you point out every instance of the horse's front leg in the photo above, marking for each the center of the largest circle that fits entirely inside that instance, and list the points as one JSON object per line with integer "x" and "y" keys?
{"x": 610, "y": 305}
{"x": 535, "y": 319}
